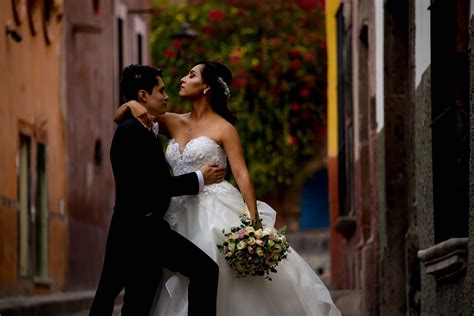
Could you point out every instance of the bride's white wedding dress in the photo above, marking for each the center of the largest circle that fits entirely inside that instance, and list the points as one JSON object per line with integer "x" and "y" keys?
{"x": 295, "y": 289}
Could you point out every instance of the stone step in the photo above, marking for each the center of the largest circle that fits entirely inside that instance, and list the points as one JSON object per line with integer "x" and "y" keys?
{"x": 349, "y": 302}
{"x": 314, "y": 241}
{"x": 313, "y": 247}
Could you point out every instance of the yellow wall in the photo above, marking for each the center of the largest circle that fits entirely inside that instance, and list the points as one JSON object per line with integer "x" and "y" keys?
{"x": 331, "y": 37}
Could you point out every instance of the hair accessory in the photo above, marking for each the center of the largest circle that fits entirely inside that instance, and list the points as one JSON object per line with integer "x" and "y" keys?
{"x": 225, "y": 86}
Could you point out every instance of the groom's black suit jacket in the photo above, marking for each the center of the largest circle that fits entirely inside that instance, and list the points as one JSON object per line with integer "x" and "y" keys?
{"x": 143, "y": 183}
{"x": 140, "y": 241}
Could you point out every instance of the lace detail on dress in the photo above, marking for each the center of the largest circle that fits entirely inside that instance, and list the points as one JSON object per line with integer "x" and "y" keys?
{"x": 171, "y": 215}
{"x": 197, "y": 152}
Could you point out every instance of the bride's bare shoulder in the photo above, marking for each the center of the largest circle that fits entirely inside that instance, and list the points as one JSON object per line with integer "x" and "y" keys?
{"x": 226, "y": 129}
{"x": 223, "y": 123}
{"x": 174, "y": 118}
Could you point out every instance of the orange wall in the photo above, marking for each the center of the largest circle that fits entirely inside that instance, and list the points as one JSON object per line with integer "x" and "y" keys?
{"x": 30, "y": 91}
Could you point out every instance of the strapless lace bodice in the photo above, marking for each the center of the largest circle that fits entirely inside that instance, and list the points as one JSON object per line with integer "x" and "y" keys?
{"x": 197, "y": 152}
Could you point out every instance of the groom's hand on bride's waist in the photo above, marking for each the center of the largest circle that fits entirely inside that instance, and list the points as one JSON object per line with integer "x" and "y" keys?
{"x": 212, "y": 173}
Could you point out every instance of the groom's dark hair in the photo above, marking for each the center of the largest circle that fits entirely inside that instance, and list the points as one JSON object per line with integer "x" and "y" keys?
{"x": 138, "y": 77}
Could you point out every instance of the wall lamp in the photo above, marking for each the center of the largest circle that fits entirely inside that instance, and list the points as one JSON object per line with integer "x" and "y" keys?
{"x": 14, "y": 34}
{"x": 185, "y": 31}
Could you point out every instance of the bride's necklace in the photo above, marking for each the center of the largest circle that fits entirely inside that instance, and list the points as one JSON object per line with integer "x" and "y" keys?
{"x": 196, "y": 123}
{"x": 193, "y": 127}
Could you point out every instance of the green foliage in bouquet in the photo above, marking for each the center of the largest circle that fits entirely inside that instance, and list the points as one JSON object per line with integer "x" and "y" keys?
{"x": 251, "y": 250}
{"x": 277, "y": 53}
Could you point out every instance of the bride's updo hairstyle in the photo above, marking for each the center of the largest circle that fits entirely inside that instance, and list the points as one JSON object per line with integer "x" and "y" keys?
{"x": 219, "y": 78}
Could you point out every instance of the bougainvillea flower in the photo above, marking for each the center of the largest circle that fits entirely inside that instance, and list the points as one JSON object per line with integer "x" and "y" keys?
{"x": 294, "y": 52}
{"x": 234, "y": 58}
{"x": 276, "y": 41}
{"x": 215, "y": 14}
{"x": 239, "y": 83}
{"x": 169, "y": 53}
{"x": 208, "y": 31}
{"x": 292, "y": 140}
{"x": 304, "y": 93}
{"x": 308, "y": 57}
{"x": 295, "y": 64}
{"x": 295, "y": 106}
{"x": 177, "y": 43}
{"x": 306, "y": 115}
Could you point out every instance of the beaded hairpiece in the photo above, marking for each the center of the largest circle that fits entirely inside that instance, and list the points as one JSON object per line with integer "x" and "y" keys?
{"x": 225, "y": 86}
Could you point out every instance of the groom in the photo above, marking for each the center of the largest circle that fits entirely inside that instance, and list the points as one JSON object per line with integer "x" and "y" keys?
{"x": 140, "y": 242}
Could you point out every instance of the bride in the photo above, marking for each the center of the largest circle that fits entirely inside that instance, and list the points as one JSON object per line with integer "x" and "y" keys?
{"x": 207, "y": 135}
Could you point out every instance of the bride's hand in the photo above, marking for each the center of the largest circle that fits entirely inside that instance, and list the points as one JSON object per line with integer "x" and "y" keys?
{"x": 137, "y": 110}
{"x": 251, "y": 215}
{"x": 141, "y": 114}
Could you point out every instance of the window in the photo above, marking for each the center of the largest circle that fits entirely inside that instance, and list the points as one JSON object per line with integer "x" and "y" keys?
{"x": 349, "y": 121}
{"x": 120, "y": 33}
{"x": 33, "y": 218}
{"x": 98, "y": 153}
{"x": 120, "y": 43}
{"x": 96, "y": 7}
{"x": 119, "y": 53}
{"x": 450, "y": 117}
{"x": 140, "y": 31}
{"x": 24, "y": 215}
{"x": 41, "y": 216}
{"x": 345, "y": 125}
{"x": 139, "y": 49}
{"x": 341, "y": 155}
{"x": 364, "y": 131}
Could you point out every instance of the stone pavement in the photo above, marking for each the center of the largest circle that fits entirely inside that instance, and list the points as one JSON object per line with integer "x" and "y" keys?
{"x": 51, "y": 304}
{"x": 77, "y": 304}
{"x": 312, "y": 245}
{"x": 57, "y": 304}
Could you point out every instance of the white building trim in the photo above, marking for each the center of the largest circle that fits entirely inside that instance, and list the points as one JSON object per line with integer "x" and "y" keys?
{"x": 379, "y": 63}
{"x": 422, "y": 39}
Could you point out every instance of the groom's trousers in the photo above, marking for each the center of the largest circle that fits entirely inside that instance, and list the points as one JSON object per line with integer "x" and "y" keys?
{"x": 136, "y": 252}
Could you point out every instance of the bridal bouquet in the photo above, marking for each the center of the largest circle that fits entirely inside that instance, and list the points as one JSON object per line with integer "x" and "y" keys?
{"x": 251, "y": 250}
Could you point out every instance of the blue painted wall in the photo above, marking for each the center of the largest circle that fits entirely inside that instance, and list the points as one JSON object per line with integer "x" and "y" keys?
{"x": 314, "y": 202}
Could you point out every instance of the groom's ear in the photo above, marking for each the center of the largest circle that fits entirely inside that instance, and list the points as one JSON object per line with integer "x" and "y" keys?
{"x": 142, "y": 96}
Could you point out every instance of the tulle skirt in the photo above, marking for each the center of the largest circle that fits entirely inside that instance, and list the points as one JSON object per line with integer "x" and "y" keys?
{"x": 294, "y": 290}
